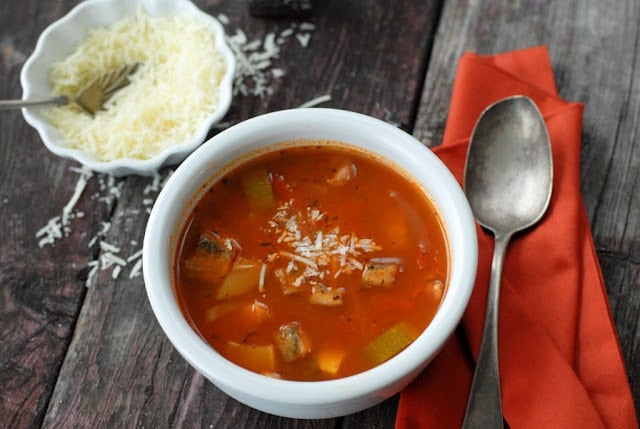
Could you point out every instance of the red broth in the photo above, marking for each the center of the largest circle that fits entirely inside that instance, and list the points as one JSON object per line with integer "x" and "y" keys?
{"x": 311, "y": 263}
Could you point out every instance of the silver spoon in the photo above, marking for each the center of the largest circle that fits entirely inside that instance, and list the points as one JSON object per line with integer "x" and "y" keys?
{"x": 508, "y": 179}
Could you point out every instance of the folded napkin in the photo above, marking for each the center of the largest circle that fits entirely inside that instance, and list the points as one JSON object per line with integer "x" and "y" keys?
{"x": 560, "y": 361}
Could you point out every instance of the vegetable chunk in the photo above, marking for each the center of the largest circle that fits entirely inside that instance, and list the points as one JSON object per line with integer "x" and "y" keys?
{"x": 243, "y": 278}
{"x": 379, "y": 274}
{"x": 322, "y": 295}
{"x": 257, "y": 187}
{"x": 257, "y": 358}
{"x": 330, "y": 360}
{"x": 212, "y": 259}
{"x": 390, "y": 343}
{"x": 292, "y": 342}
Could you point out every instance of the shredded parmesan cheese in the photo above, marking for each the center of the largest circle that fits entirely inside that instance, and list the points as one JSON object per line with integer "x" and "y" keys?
{"x": 263, "y": 272}
{"x": 316, "y": 101}
{"x": 108, "y": 258}
{"x": 254, "y": 58}
{"x": 303, "y": 39}
{"x": 175, "y": 88}
{"x": 59, "y": 226}
{"x": 315, "y": 250}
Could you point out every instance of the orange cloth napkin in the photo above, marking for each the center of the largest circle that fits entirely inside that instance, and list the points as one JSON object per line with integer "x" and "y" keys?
{"x": 560, "y": 361}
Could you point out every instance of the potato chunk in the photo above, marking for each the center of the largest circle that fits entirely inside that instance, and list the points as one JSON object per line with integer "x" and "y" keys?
{"x": 243, "y": 277}
{"x": 259, "y": 358}
{"x": 292, "y": 342}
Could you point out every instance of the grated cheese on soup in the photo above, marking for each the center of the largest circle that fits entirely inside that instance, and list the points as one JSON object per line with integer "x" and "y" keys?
{"x": 316, "y": 248}
{"x": 173, "y": 91}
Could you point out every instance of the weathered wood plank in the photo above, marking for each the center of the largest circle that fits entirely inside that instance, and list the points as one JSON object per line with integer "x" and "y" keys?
{"x": 379, "y": 417}
{"x": 120, "y": 368}
{"x": 41, "y": 288}
{"x": 132, "y": 374}
{"x": 594, "y": 47}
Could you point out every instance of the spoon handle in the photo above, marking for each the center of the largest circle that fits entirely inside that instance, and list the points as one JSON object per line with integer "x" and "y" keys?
{"x": 16, "y": 104}
{"x": 484, "y": 409}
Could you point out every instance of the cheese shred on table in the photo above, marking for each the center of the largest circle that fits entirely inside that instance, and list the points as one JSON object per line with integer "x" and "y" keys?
{"x": 173, "y": 91}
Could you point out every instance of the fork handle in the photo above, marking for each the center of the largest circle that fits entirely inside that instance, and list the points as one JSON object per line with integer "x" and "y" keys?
{"x": 17, "y": 104}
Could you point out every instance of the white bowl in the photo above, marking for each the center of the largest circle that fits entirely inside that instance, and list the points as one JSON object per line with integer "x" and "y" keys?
{"x": 319, "y": 399}
{"x": 61, "y": 38}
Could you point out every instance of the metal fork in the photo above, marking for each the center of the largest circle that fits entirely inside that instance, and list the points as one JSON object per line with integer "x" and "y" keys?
{"x": 91, "y": 98}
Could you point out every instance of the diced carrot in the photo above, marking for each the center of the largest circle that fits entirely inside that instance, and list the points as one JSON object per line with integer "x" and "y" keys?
{"x": 257, "y": 188}
{"x": 390, "y": 343}
{"x": 244, "y": 277}
{"x": 258, "y": 358}
{"x": 330, "y": 360}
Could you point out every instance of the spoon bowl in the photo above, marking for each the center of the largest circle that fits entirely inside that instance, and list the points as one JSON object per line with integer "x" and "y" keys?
{"x": 508, "y": 181}
{"x": 509, "y": 170}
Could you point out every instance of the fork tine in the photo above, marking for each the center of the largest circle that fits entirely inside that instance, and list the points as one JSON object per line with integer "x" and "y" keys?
{"x": 93, "y": 96}
{"x": 118, "y": 78}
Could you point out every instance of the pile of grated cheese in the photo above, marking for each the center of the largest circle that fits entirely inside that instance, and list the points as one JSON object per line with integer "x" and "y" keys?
{"x": 315, "y": 249}
{"x": 173, "y": 91}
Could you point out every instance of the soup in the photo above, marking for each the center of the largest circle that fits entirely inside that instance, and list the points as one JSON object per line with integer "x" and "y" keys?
{"x": 311, "y": 262}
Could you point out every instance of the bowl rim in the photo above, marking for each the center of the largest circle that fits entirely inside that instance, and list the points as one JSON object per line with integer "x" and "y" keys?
{"x": 194, "y": 171}
{"x": 124, "y": 166}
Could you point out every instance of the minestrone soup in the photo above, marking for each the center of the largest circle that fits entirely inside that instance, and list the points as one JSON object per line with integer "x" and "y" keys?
{"x": 311, "y": 262}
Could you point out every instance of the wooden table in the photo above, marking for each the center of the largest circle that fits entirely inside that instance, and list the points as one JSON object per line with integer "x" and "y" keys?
{"x": 93, "y": 356}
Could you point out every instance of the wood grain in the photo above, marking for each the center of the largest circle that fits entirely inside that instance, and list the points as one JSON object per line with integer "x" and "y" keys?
{"x": 74, "y": 356}
{"x": 95, "y": 357}
{"x": 595, "y": 51}
{"x": 41, "y": 288}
